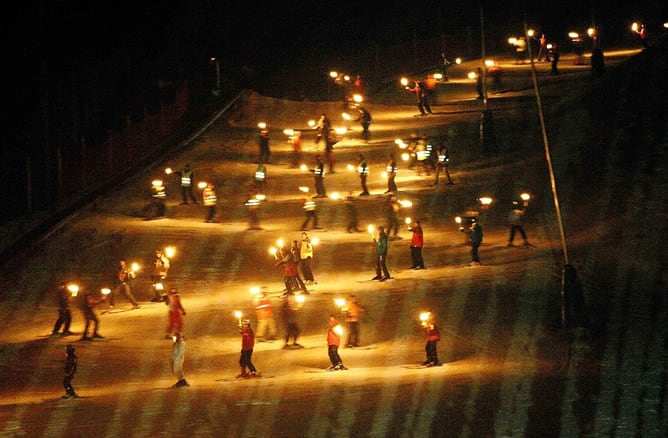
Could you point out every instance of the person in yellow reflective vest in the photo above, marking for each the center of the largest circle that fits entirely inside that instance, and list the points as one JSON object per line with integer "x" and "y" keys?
{"x": 309, "y": 213}
{"x": 209, "y": 199}
{"x": 261, "y": 177}
{"x": 187, "y": 182}
{"x": 363, "y": 171}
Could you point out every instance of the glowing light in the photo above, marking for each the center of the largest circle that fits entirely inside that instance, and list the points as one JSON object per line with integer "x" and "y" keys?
{"x": 311, "y": 123}
{"x": 238, "y": 314}
{"x": 170, "y": 251}
{"x": 135, "y": 267}
{"x": 405, "y": 156}
{"x": 425, "y": 316}
{"x": 489, "y": 63}
{"x": 334, "y": 195}
{"x": 383, "y": 175}
{"x": 272, "y": 251}
{"x": 357, "y": 98}
{"x": 202, "y": 185}
{"x": 591, "y": 31}
{"x": 260, "y": 197}
{"x": 262, "y": 125}
{"x": 549, "y": 46}
{"x": 531, "y": 33}
{"x": 340, "y": 302}
{"x": 458, "y": 60}
{"x": 333, "y": 74}
{"x": 156, "y": 183}
{"x": 405, "y": 204}
{"x": 404, "y": 81}
{"x": 346, "y": 77}
{"x": 303, "y": 167}
{"x": 485, "y": 200}
{"x": 254, "y": 290}
{"x": 472, "y": 75}
{"x": 338, "y": 329}
{"x": 346, "y": 116}
{"x": 303, "y": 189}
{"x": 370, "y": 229}
{"x": 315, "y": 241}
{"x": 512, "y": 41}
{"x": 350, "y": 167}
{"x": 340, "y": 131}
{"x": 573, "y": 35}
{"x": 458, "y": 219}
{"x": 525, "y": 196}
{"x": 634, "y": 27}
{"x": 279, "y": 243}
{"x": 289, "y": 132}
{"x": 73, "y": 289}
{"x": 105, "y": 291}
{"x": 300, "y": 299}
{"x": 159, "y": 286}
{"x": 408, "y": 221}
{"x": 438, "y": 76}
{"x": 168, "y": 171}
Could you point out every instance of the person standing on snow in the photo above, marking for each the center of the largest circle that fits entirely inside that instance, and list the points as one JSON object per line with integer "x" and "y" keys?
{"x": 176, "y": 313}
{"x": 475, "y": 234}
{"x": 382, "y": 244}
{"x": 187, "y": 182}
{"x": 417, "y": 242}
{"x": 333, "y": 342}
{"x": 433, "y": 336}
{"x": 178, "y": 356}
{"x": 71, "y": 364}
{"x": 264, "y": 312}
{"x": 305, "y": 258}
{"x": 64, "y": 320}
{"x": 247, "y": 344}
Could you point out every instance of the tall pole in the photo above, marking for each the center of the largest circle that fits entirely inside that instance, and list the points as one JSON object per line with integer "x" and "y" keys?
{"x": 486, "y": 121}
{"x": 548, "y": 158}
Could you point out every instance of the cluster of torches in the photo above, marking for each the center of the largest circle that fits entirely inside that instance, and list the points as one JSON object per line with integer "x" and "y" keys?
{"x": 74, "y": 288}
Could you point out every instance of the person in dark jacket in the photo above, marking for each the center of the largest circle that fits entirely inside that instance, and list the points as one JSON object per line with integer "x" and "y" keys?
{"x": 475, "y": 234}
{"x": 71, "y": 364}
{"x": 63, "y": 297}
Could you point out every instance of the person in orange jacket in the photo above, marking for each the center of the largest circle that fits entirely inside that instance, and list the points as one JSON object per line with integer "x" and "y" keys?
{"x": 333, "y": 341}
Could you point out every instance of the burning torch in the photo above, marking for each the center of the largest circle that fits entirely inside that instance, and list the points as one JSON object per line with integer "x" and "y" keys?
{"x": 425, "y": 318}
{"x": 238, "y": 315}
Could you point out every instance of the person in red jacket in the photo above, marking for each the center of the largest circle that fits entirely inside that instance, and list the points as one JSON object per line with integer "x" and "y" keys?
{"x": 176, "y": 313}
{"x": 333, "y": 341}
{"x": 247, "y": 344}
{"x": 417, "y": 242}
{"x": 433, "y": 336}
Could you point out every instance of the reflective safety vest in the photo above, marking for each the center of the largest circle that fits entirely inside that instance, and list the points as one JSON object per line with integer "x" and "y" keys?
{"x": 442, "y": 158}
{"x": 186, "y": 178}
{"x": 319, "y": 171}
{"x": 253, "y": 202}
{"x": 309, "y": 206}
{"x": 363, "y": 169}
{"x": 391, "y": 168}
{"x": 209, "y": 196}
{"x": 422, "y": 155}
{"x": 260, "y": 173}
{"x": 159, "y": 192}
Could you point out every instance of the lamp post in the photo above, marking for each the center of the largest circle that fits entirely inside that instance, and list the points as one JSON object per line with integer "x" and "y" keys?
{"x": 487, "y": 139}
{"x": 216, "y": 62}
